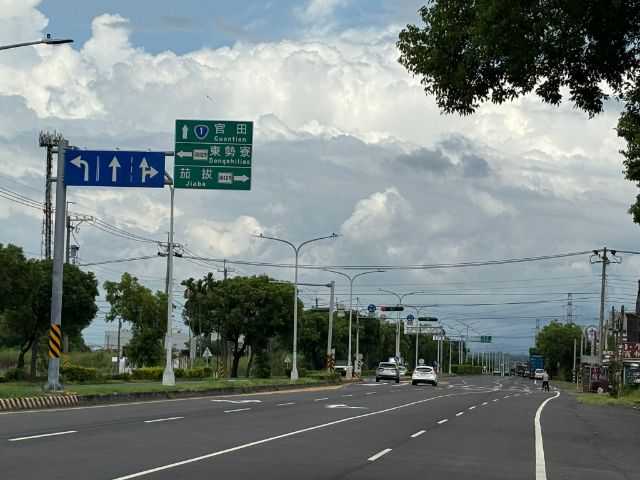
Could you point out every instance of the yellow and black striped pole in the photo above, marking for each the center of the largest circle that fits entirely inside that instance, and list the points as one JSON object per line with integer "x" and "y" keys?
{"x": 331, "y": 365}
{"x": 54, "y": 341}
{"x": 223, "y": 368}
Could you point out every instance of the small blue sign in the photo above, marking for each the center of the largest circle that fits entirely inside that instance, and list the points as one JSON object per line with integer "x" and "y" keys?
{"x": 201, "y": 131}
{"x": 410, "y": 317}
{"x": 435, "y": 363}
{"x": 396, "y": 359}
{"x": 92, "y": 168}
{"x": 371, "y": 308}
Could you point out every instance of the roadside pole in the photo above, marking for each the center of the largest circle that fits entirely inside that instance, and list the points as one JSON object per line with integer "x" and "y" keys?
{"x": 330, "y": 364}
{"x": 57, "y": 276}
{"x": 168, "y": 377}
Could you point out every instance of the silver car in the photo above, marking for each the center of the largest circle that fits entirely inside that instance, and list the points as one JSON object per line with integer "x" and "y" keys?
{"x": 388, "y": 371}
{"x": 424, "y": 374}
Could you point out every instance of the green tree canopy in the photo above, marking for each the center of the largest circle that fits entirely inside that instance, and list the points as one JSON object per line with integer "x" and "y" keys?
{"x": 147, "y": 313}
{"x": 474, "y": 51}
{"x": 555, "y": 344}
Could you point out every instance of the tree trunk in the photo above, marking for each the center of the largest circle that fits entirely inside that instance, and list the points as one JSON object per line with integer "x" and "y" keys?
{"x": 237, "y": 355}
{"x": 34, "y": 356}
{"x": 254, "y": 345}
{"x": 23, "y": 352}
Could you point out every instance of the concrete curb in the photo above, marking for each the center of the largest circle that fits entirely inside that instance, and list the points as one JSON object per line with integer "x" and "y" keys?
{"x": 66, "y": 401}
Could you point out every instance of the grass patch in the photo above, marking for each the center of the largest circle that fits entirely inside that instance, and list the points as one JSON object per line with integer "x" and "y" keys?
{"x": 20, "y": 390}
{"x": 605, "y": 399}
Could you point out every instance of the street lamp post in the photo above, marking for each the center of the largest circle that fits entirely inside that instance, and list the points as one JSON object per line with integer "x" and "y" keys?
{"x": 351, "y": 279}
{"x": 46, "y": 40}
{"x": 466, "y": 325}
{"x": 294, "y": 367}
{"x": 459, "y": 332}
{"x": 418, "y": 327}
{"x": 400, "y": 297}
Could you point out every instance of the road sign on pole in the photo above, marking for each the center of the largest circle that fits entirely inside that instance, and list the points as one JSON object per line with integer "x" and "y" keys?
{"x": 213, "y": 154}
{"x": 410, "y": 318}
{"x": 371, "y": 308}
{"x": 93, "y": 168}
{"x": 485, "y": 339}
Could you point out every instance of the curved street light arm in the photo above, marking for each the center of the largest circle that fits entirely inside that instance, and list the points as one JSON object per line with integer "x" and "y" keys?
{"x": 47, "y": 41}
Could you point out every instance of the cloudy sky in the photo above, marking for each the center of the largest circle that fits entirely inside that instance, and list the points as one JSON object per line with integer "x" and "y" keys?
{"x": 345, "y": 142}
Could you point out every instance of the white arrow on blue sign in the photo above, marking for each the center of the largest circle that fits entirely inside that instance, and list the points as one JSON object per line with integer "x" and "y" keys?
{"x": 410, "y": 317}
{"x": 371, "y": 308}
{"x": 114, "y": 169}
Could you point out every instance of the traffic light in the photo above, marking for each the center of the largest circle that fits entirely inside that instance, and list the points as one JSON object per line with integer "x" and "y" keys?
{"x": 428, "y": 319}
{"x": 392, "y": 309}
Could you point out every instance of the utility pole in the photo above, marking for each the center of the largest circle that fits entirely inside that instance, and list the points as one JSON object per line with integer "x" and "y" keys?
{"x": 597, "y": 258}
{"x": 537, "y": 330}
{"x": 49, "y": 141}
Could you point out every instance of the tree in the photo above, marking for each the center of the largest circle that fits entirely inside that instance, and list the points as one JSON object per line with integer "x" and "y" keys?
{"x": 473, "y": 51}
{"x": 147, "y": 313}
{"x": 555, "y": 344}
{"x": 313, "y": 330}
{"x": 263, "y": 364}
{"x": 32, "y": 317}
{"x": 245, "y": 311}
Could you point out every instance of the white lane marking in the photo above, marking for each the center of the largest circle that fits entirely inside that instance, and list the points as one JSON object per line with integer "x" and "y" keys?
{"x": 417, "y": 434}
{"x": 471, "y": 408}
{"x": 343, "y": 406}
{"x": 541, "y": 469}
{"x": 506, "y": 396}
{"x": 484, "y": 403}
{"x": 369, "y": 393}
{"x": 283, "y": 404}
{"x": 320, "y": 399}
{"x": 516, "y": 395}
{"x": 236, "y": 410}
{"x": 162, "y": 419}
{"x": 395, "y": 391}
{"x": 277, "y": 437}
{"x": 378, "y": 455}
{"x": 40, "y": 436}
{"x": 347, "y": 395}
{"x": 237, "y": 401}
{"x": 496, "y": 399}
{"x": 438, "y": 388}
{"x": 442, "y": 421}
{"x": 458, "y": 414}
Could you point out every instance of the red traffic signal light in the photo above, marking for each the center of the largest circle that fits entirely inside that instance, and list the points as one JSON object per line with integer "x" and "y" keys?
{"x": 392, "y": 309}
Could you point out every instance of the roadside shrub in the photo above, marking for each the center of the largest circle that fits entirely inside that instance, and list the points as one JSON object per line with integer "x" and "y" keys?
{"x": 75, "y": 373}
{"x": 302, "y": 372}
{"x": 368, "y": 373}
{"x": 148, "y": 373}
{"x": 466, "y": 369}
{"x": 16, "y": 375}
{"x": 262, "y": 367}
{"x": 125, "y": 376}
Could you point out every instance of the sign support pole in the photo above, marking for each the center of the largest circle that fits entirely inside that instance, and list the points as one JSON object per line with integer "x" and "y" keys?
{"x": 53, "y": 382}
{"x": 168, "y": 377}
{"x": 330, "y": 366}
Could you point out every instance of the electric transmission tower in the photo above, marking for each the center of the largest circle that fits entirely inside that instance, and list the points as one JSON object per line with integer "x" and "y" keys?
{"x": 49, "y": 141}
{"x": 569, "y": 308}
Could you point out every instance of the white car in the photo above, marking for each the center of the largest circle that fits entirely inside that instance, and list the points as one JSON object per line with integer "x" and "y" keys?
{"x": 425, "y": 375}
{"x": 402, "y": 369}
{"x": 538, "y": 373}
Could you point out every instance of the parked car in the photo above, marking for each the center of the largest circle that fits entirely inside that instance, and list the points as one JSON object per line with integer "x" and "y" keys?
{"x": 341, "y": 367}
{"x": 496, "y": 372}
{"x": 424, "y": 374}
{"x": 402, "y": 369}
{"x": 388, "y": 371}
{"x": 538, "y": 374}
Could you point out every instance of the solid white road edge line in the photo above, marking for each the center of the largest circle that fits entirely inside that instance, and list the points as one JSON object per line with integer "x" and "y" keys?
{"x": 541, "y": 469}
{"x": 162, "y": 419}
{"x": 236, "y": 410}
{"x": 378, "y": 455}
{"x": 40, "y": 436}
{"x": 417, "y": 434}
{"x": 277, "y": 437}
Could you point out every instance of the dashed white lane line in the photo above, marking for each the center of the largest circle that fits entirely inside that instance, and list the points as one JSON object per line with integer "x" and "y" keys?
{"x": 541, "y": 469}
{"x": 162, "y": 419}
{"x": 506, "y": 396}
{"x": 368, "y": 393}
{"x": 417, "y": 434}
{"x": 347, "y": 395}
{"x": 471, "y": 408}
{"x": 516, "y": 395}
{"x": 378, "y": 455}
{"x": 442, "y": 421}
{"x": 320, "y": 399}
{"x": 40, "y": 436}
{"x": 458, "y": 414}
{"x": 495, "y": 400}
{"x": 236, "y": 410}
{"x": 396, "y": 391}
{"x": 484, "y": 403}
{"x": 283, "y": 404}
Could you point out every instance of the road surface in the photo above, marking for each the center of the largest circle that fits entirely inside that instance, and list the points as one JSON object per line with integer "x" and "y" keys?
{"x": 465, "y": 428}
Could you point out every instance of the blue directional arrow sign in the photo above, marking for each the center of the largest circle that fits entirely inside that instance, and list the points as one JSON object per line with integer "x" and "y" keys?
{"x": 371, "y": 308}
{"x": 410, "y": 317}
{"x": 114, "y": 169}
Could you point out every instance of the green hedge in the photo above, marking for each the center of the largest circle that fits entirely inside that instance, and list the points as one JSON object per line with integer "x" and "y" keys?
{"x": 466, "y": 369}
{"x": 155, "y": 373}
{"x": 75, "y": 373}
{"x": 16, "y": 375}
{"x": 302, "y": 372}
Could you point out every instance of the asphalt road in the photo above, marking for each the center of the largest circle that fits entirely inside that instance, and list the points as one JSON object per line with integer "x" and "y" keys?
{"x": 470, "y": 427}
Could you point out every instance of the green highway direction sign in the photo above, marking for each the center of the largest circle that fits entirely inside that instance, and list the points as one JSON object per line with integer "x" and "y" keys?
{"x": 485, "y": 339}
{"x": 213, "y": 154}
